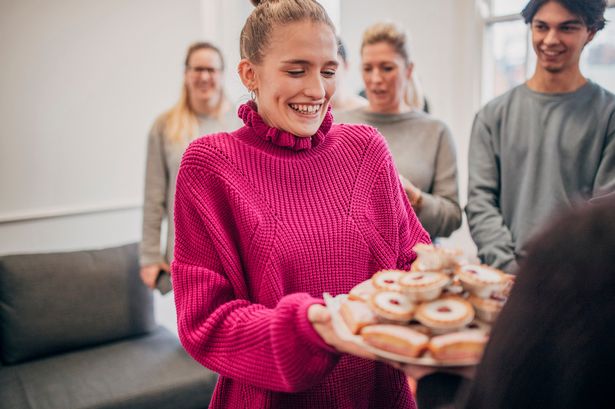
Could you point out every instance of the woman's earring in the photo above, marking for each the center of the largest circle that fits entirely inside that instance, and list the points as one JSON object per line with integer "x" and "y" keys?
{"x": 253, "y": 95}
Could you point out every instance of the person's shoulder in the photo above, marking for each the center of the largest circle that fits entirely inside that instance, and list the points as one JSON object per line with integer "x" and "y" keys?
{"x": 352, "y": 116}
{"x": 361, "y": 137}
{"x": 159, "y": 124}
{"x": 602, "y": 95}
{"x": 497, "y": 105}
{"x": 220, "y": 140}
{"x": 426, "y": 119}
{"x": 505, "y": 98}
{"x": 207, "y": 151}
{"x": 358, "y": 132}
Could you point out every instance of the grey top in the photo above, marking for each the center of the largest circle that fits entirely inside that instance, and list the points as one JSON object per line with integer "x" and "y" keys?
{"x": 162, "y": 164}
{"x": 424, "y": 153}
{"x": 530, "y": 155}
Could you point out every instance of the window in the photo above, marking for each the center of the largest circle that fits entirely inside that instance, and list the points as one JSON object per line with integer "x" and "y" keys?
{"x": 598, "y": 60}
{"x": 507, "y": 7}
{"x": 509, "y": 59}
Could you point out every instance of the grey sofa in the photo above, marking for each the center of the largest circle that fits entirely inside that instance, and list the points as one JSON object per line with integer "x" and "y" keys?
{"x": 77, "y": 331}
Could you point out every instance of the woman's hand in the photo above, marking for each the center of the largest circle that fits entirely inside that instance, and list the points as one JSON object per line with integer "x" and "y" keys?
{"x": 320, "y": 318}
{"x": 149, "y": 273}
{"x": 415, "y": 195}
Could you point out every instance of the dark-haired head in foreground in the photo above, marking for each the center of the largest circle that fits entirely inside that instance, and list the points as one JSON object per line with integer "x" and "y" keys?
{"x": 553, "y": 345}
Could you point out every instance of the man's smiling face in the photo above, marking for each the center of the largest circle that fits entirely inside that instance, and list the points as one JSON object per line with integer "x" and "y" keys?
{"x": 558, "y": 38}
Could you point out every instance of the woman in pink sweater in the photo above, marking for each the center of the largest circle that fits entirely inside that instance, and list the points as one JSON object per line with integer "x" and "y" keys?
{"x": 274, "y": 214}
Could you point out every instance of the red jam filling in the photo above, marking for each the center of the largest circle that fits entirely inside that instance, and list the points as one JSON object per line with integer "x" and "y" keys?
{"x": 394, "y": 302}
{"x": 444, "y": 309}
{"x": 389, "y": 281}
{"x": 418, "y": 278}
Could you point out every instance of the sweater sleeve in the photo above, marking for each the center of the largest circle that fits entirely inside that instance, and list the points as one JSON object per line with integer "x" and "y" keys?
{"x": 605, "y": 176}
{"x": 489, "y": 232}
{"x": 271, "y": 348}
{"x": 154, "y": 201}
{"x": 440, "y": 213}
{"x": 411, "y": 232}
{"x": 393, "y": 218}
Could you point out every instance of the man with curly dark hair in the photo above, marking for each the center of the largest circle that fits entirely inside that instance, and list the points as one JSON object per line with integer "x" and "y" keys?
{"x": 544, "y": 144}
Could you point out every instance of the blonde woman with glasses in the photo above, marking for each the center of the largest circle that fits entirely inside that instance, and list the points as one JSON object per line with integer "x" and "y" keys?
{"x": 202, "y": 109}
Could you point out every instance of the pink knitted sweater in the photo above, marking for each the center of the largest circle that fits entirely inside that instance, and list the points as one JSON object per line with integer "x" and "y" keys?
{"x": 265, "y": 223}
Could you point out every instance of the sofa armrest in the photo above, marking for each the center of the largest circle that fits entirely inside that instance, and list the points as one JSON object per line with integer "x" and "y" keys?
{"x": 56, "y": 302}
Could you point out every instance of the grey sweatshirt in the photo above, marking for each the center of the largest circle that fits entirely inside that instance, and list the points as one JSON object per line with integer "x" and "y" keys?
{"x": 162, "y": 164}
{"x": 424, "y": 153}
{"x": 530, "y": 155}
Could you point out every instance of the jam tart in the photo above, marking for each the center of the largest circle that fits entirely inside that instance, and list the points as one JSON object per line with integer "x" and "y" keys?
{"x": 487, "y": 309}
{"x": 356, "y": 315}
{"x": 458, "y": 346}
{"x": 445, "y": 314}
{"x": 395, "y": 338}
{"x": 423, "y": 286}
{"x": 387, "y": 280}
{"x": 482, "y": 280}
{"x": 392, "y": 306}
{"x": 435, "y": 258}
{"x": 362, "y": 291}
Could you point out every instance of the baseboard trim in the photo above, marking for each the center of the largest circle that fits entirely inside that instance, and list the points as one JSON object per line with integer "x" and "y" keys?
{"x": 68, "y": 211}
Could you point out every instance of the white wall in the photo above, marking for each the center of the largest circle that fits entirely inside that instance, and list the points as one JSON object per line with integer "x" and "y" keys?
{"x": 81, "y": 82}
{"x": 222, "y": 21}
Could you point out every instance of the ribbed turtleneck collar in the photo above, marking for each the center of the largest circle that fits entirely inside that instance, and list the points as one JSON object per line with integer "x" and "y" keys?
{"x": 248, "y": 113}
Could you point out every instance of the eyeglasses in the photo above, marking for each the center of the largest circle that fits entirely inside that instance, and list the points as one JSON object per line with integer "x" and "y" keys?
{"x": 198, "y": 71}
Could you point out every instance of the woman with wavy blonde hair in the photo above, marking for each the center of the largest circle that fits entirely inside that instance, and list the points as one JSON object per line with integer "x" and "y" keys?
{"x": 202, "y": 108}
{"x": 422, "y": 146}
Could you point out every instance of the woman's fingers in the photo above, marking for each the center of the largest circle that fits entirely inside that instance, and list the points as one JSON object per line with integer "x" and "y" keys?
{"x": 149, "y": 274}
{"x": 320, "y": 318}
{"x": 318, "y": 314}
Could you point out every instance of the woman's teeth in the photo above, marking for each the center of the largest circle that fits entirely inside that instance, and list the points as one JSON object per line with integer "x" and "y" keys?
{"x": 551, "y": 53}
{"x": 305, "y": 109}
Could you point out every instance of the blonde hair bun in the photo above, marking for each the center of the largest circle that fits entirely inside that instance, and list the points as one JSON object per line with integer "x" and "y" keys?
{"x": 256, "y": 32}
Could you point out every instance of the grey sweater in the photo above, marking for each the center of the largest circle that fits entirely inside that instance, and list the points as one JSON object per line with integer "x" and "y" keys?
{"x": 424, "y": 153}
{"x": 162, "y": 164}
{"x": 530, "y": 155}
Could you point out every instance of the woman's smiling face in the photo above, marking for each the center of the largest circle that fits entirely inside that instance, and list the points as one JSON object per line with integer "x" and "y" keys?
{"x": 295, "y": 80}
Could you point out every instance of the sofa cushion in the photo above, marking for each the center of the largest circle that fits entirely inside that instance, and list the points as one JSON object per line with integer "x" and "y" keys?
{"x": 55, "y": 302}
{"x": 152, "y": 371}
